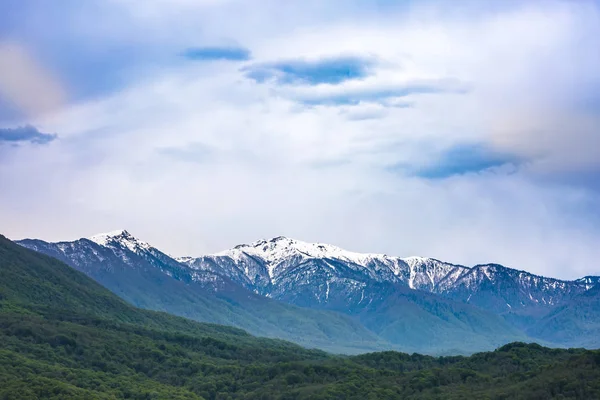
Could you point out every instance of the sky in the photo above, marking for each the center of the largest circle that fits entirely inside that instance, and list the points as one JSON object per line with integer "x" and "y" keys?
{"x": 466, "y": 131}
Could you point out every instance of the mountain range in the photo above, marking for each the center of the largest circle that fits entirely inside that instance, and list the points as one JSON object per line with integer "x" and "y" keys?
{"x": 319, "y": 295}
{"x": 64, "y": 336}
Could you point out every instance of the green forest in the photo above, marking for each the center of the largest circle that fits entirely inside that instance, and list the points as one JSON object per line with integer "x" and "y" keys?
{"x": 63, "y": 336}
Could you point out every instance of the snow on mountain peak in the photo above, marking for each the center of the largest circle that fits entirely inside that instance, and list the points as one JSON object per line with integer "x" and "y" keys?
{"x": 122, "y": 237}
{"x": 414, "y": 260}
{"x": 102, "y": 238}
{"x": 278, "y": 252}
{"x": 281, "y": 253}
{"x": 282, "y": 247}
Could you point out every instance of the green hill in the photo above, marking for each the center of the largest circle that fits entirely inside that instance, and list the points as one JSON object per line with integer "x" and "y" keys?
{"x": 63, "y": 336}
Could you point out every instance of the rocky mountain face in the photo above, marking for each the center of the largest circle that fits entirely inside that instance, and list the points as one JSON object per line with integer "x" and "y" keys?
{"x": 413, "y": 304}
{"x": 105, "y": 254}
{"x": 312, "y": 274}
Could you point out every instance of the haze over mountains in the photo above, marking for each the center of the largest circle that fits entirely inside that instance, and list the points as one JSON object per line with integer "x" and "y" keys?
{"x": 322, "y": 296}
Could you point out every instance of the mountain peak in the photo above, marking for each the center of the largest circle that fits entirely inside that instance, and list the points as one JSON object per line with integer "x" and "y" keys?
{"x": 415, "y": 259}
{"x": 108, "y": 235}
{"x": 119, "y": 237}
{"x": 282, "y": 247}
{"x": 279, "y": 241}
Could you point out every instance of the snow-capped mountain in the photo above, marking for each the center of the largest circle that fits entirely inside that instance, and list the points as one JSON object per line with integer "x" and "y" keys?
{"x": 266, "y": 263}
{"x": 149, "y": 278}
{"x": 413, "y": 303}
{"x": 283, "y": 267}
{"x": 103, "y": 253}
{"x": 119, "y": 238}
{"x": 501, "y": 289}
{"x": 589, "y": 281}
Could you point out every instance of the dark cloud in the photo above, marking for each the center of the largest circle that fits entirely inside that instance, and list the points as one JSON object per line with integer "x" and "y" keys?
{"x": 27, "y": 133}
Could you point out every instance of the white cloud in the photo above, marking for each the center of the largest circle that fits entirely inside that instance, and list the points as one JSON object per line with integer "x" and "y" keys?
{"x": 255, "y": 163}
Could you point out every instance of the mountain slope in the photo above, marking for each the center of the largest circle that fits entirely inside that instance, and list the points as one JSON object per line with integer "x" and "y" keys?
{"x": 322, "y": 276}
{"x": 63, "y": 336}
{"x": 576, "y": 323}
{"x": 266, "y": 262}
{"x": 495, "y": 287}
{"x": 410, "y": 304}
{"x": 420, "y": 320}
{"x": 270, "y": 266}
{"x": 150, "y": 279}
{"x": 343, "y": 306}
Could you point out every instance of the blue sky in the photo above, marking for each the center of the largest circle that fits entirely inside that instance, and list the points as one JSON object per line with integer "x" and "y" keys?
{"x": 216, "y": 53}
{"x": 462, "y": 130}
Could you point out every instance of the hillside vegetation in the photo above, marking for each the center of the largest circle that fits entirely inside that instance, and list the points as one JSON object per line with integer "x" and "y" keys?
{"x": 63, "y": 336}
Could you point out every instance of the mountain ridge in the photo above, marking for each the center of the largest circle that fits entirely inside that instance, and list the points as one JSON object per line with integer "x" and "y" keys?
{"x": 423, "y": 273}
{"x": 64, "y": 336}
{"x": 152, "y": 280}
{"x": 127, "y": 237}
{"x": 488, "y": 303}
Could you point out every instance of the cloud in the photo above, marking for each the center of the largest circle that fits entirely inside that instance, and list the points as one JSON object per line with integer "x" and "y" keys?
{"x": 462, "y": 159}
{"x": 382, "y": 95}
{"x": 217, "y": 53}
{"x": 194, "y": 152}
{"x": 197, "y": 157}
{"x": 25, "y": 133}
{"x": 364, "y": 112}
{"x": 310, "y": 72}
{"x": 364, "y": 96}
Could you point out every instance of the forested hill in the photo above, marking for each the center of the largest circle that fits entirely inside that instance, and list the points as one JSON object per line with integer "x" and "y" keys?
{"x": 64, "y": 336}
